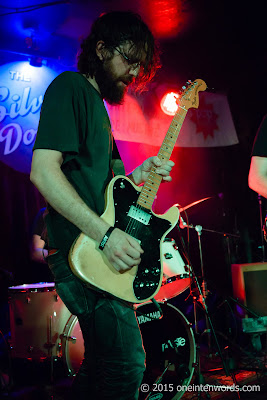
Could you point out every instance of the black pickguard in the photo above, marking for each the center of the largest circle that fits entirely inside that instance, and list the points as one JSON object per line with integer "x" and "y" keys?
{"x": 149, "y": 270}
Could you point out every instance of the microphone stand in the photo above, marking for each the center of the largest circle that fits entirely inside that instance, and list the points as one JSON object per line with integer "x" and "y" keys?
{"x": 202, "y": 295}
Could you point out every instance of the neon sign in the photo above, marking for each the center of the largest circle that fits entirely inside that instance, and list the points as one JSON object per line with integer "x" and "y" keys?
{"x": 22, "y": 88}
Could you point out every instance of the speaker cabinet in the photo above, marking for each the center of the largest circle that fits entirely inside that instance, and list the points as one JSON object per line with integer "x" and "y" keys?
{"x": 250, "y": 286}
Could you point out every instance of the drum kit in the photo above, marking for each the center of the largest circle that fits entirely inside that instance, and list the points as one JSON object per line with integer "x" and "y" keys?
{"x": 42, "y": 328}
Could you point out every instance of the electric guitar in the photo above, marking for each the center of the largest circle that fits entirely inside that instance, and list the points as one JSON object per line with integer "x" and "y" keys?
{"x": 129, "y": 208}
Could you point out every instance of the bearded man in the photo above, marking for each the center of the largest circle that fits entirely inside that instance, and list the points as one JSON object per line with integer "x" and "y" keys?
{"x": 72, "y": 164}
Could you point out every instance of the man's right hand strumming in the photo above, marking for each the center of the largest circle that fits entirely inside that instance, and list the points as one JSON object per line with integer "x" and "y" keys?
{"x": 122, "y": 250}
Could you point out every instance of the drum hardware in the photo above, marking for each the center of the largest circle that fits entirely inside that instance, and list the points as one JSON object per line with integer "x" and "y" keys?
{"x": 50, "y": 346}
{"x": 158, "y": 381}
{"x": 199, "y": 295}
{"x": 37, "y": 320}
{"x": 71, "y": 339}
{"x": 262, "y": 228}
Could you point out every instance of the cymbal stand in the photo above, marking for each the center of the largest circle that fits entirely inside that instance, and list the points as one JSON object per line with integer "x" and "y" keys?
{"x": 204, "y": 293}
{"x": 262, "y": 228}
{"x": 201, "y": 299}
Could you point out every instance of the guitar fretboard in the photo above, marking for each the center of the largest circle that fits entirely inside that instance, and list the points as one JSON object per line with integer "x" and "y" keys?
{"x": 151, "y": 186}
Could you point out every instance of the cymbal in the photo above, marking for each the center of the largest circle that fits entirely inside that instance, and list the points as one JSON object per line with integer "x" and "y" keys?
{"x": 192, "y": 204}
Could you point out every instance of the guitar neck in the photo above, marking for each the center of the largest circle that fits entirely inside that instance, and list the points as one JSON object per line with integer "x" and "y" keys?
{"x": 151, "y": 186}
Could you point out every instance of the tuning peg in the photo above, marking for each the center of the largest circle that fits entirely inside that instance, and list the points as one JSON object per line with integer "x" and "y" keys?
{"x": 183, "y": 87}
{"x": 189, "y": 82}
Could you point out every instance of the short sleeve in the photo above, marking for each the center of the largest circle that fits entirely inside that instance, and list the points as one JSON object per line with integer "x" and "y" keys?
{"x": 60, "y": 116}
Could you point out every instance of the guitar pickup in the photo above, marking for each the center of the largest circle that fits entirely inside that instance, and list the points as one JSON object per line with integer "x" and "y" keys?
{"x": 139, "y": 215}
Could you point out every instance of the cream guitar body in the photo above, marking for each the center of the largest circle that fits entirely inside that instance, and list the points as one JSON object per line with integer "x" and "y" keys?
{"x": 129, "y": 208}
{"x": 139, "y": 283}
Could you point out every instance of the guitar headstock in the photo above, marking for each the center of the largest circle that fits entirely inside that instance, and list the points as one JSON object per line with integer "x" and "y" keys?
{"x": 189, "y": 97}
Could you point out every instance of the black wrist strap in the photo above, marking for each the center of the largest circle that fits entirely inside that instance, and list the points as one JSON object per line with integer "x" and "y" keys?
{"x": 105, "y": 238}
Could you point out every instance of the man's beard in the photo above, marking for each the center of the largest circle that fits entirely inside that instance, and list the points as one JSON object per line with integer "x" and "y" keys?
{"x": 108, "y": 84}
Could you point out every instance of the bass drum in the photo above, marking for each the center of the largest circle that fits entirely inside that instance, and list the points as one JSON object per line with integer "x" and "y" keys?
{"x": 72, "y": 345}
{"x": 168, "y": 341}
{"x": 170, "y": 351}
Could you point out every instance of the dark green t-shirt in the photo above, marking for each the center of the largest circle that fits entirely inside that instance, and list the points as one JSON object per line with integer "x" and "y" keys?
{"x": 75, "y": 122}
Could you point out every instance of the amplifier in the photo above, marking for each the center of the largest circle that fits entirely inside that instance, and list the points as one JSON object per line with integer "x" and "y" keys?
{"x": 254, "y": 325}
{"x": 250, "y": 286}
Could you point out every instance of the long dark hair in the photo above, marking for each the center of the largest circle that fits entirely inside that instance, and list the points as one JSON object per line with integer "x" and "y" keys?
{"x": 114, "y": 29}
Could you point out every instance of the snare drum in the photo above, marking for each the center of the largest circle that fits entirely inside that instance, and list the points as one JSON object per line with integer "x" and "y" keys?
{"x": 170, "y": 345}
{"x": 175, "y": 272}
{"x": 34, "y": 320}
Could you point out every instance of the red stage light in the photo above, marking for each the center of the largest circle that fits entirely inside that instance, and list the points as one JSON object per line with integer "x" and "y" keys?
{"x": 164, "y": 16}
{"x": 169, "y": 104}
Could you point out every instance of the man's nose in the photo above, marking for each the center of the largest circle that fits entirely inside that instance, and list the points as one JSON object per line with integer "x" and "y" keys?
{"x": 134, "y": 71}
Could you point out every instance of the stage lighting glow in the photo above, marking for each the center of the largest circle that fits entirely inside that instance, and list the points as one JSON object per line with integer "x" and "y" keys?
{"x": 165, "y": 17}
{"x": 21, "y": 96}
{"x": 169, "y": 104}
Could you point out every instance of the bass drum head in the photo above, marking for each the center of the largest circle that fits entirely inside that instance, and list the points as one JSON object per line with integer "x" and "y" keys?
{"x": 72, "y": 346}
{"x": 170, "y": 346}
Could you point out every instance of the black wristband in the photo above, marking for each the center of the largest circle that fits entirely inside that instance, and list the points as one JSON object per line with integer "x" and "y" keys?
{"x": 105, "y": 238}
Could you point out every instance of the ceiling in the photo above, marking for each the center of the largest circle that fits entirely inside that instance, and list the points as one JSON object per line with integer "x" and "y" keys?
{"x": 221, "y": 41}
{"x": 56, "y": 27}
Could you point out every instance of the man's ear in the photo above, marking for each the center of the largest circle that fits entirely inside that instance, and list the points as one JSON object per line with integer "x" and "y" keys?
{"x": 100, "y": 48}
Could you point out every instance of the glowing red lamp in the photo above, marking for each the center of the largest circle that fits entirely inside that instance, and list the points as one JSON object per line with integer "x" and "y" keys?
{"x": 169, "y": 104}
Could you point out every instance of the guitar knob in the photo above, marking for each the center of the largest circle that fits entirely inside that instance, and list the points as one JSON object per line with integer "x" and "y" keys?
{"x": 168, "y": 256}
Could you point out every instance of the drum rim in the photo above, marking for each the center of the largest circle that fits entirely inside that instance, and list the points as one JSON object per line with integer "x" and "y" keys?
{"x": 73, "y": 319}
{"x": 168, "y": 240}
{"x": 163, "y": 285}
{"x": 176, "y": 278}
{"x": 28, "y": 287}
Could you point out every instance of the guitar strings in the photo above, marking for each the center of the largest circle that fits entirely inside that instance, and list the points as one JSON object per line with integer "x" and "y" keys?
{"x": 133, "y": 226}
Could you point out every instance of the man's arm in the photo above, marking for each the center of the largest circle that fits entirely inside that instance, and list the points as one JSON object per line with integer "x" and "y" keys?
{"x": 121, "y": 249}
{"x": 257, "y": 178}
